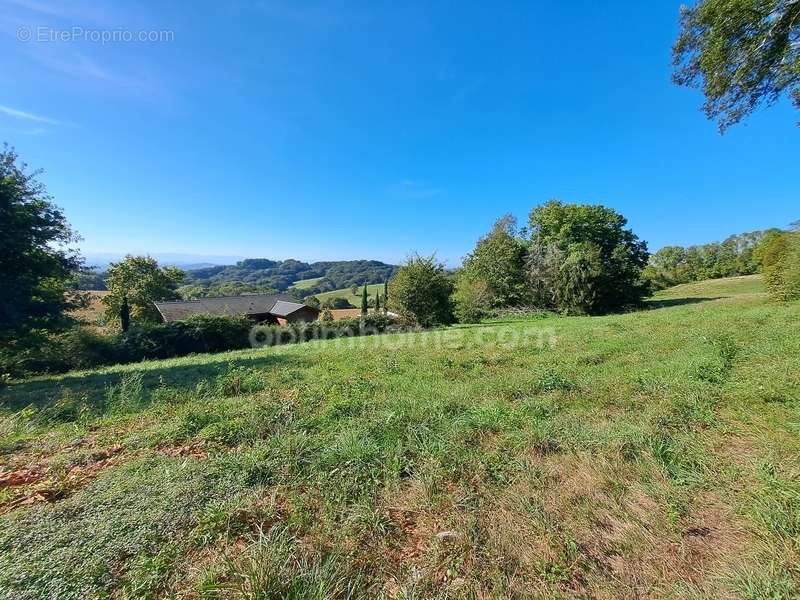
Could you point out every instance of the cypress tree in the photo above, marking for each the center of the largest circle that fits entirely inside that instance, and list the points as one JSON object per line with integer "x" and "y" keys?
{"x": 364, "y": 302}
{"x": 125, "y": 314}
{"x": 377, "y": 302}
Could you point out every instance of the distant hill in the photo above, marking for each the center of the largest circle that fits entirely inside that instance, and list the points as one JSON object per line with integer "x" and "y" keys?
{"x": 264, "y": 274}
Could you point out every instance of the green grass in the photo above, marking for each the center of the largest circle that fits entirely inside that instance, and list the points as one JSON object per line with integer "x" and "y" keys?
{"x": 649, "y": 454}
{"x": 354, "y": 299}
{"x": 304, "y": 284}
{"x": 716, "y": 288}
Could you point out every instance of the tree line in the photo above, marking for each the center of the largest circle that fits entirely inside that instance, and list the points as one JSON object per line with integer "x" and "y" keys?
{"x": 740, "y": 254}
{"x": 571, "y": 258}
{"x": 581, "y": 259}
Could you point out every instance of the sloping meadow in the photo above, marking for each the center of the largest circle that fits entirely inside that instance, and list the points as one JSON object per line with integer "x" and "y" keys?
{"x": 652, "y": 453}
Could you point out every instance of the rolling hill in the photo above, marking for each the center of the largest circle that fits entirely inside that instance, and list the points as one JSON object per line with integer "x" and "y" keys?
{"x": 314, "y": 278}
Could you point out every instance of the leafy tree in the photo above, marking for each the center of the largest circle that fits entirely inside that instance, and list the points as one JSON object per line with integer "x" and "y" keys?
{"x": 668, "y": 267}
{"x": 192, "y": 291}
{"x": 326, "y": 315}
{"x": 543, "y": 269}
{"x": 313, "y": 301}
{"x": 765, "y": 246}
{"x": 498, "y": 260}
{"x": 36, "y": 261}
{"x": 364, "y": 301}
{"x": 780, "y": 254}
{"x": 565, "y": 279}
{"x": 472, "y": 298}
{"x": 337, "y": 302}
{"x": 581, "y": 279}
{"x": 583, "y": 259}
{"x": 142, "y": 282}
{"x": 420, "y": 292}
{"x": 742, "y": 53}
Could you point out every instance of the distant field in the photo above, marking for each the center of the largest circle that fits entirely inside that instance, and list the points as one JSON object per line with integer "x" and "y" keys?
{"x": 304, "y": 284}
{"x": 92, "y": 314}
{"x": 354, "y": 299}
{"x": 652, "y": 454}
{"x": 730, "y": 286}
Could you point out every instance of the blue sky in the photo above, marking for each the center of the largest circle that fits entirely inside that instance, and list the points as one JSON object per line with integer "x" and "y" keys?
{"x": 343, "y": 130}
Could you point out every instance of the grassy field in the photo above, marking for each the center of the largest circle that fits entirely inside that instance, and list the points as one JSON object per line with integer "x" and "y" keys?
{"x": 93, "y": 313}
{"x": 354, "y": 299}
{"x": 649, "y": 454}
{"x": 304, "y": 284}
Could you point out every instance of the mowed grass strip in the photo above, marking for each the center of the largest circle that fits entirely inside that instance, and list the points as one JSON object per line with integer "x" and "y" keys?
{"x": 647, "y": 454}
{"x": 304, "y": 284}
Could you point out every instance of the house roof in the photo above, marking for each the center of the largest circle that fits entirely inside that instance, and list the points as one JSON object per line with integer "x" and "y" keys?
{"x": 283, "y": 308}
{"x": 256, "y": 304}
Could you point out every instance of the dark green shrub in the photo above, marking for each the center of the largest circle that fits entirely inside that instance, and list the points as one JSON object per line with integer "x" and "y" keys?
{"x": 194, "y": 335}
{"x": 46, "y": 352}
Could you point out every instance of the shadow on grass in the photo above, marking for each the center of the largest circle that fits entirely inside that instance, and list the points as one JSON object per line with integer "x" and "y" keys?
{"x": 667, "y": 302}
{"x": 41, "y": 392}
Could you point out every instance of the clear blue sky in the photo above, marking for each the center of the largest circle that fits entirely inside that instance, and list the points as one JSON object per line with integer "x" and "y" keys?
{"x": 327, "y": 130}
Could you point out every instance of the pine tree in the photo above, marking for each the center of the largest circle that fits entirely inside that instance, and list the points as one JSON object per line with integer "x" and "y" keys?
{"x": 364, "y": 301}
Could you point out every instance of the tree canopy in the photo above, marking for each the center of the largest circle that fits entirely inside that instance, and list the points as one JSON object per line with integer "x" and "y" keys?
{"x": 497, "y": 261}
{"x": 336, "y": 302}
{"x": 583, "y": 258}
{"x": 420, "y": 292}
{"x": 780, "y": 253}
{"x": 741, "y": 53}
{"x": 142, "y": 282}
{"x": 36, "y": 260}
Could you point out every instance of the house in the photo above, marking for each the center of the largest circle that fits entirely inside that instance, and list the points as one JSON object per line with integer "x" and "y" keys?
{"x": 263, "y": 308}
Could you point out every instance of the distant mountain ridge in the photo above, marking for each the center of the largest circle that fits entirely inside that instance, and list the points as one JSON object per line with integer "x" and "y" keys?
{"x": 260, "y": 274}
{"x": 99, "y": 261}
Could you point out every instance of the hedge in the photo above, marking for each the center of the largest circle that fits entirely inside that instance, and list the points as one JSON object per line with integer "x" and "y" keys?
{"x": 81, "y": 348}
